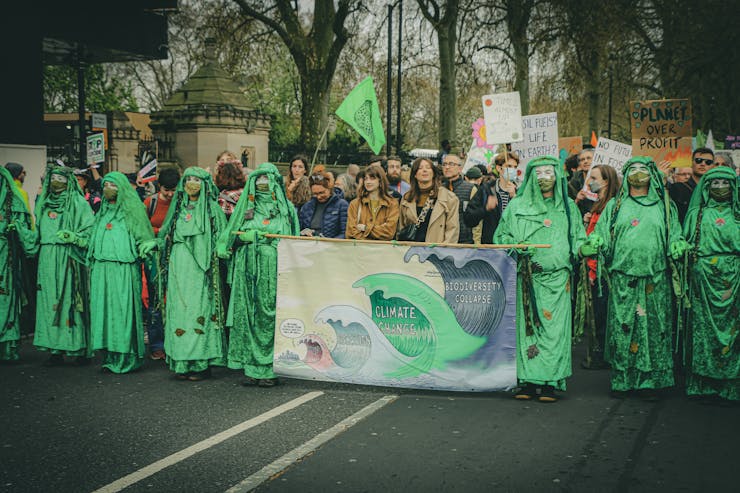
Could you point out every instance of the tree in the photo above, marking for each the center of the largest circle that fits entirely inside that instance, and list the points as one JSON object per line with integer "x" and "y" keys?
{"x": 102, "y": 92}
{"x": 315, "y": 50}
{"x": 443, "y": 18}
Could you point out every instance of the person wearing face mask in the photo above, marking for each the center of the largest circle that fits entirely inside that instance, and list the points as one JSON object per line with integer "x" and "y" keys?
{"x": 543, "y": 213}
{"x": 195, "y": 339}
{"x": 637, "y": 235}
{"x": 713, "y": 229}
{"x": 18, "y": 239}
{"x": 262, "y": 209}
{"x": 493, "y": 197}
{"x": 591, "y": 305}
{"x": 121, "y": 238}
{"x": 373, "y": 215}
{"x": 64, "y": 222}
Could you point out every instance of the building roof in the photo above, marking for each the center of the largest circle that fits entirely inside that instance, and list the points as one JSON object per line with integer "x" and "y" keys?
{"x": 209, "y": 86}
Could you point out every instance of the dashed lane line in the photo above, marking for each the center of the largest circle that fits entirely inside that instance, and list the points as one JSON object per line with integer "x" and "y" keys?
{"x": 296, "y": 454}
{"x": 183, "y": 454}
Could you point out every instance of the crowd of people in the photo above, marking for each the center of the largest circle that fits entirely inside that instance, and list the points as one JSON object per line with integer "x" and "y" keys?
{"x": 644, "y": 265}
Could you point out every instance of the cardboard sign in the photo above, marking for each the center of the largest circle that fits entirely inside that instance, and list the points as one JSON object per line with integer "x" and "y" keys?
{"x": 95, "y": 149}
{"x": 608, "y": 153}
{"x": 661, "y": 129}
{"x": 571, "y": 145}
{"x": 540, "y": 138}
{"x": 503, "y": 117}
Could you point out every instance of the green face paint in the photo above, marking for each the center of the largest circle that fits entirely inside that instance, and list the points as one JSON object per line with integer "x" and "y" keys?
{"x": 192, "y": 185}
{"x": 719, "y": 189}
{"x": 545, "y": 178}
{"x": 110, "y": 191}
{"x": 639, "y": 175}
{"x": 58, "y": 183}
{"x": 262, "y": 184}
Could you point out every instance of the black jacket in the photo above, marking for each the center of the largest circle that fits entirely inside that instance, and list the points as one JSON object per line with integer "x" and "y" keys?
{"x": 476, "y": 212}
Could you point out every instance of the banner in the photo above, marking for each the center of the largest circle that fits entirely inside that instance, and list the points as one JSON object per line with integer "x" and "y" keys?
{"x": 379, "y": 314}
{"x": 502, "y": 114}
{"x": 540, "y": 138}
{"x": 661, "y": 129}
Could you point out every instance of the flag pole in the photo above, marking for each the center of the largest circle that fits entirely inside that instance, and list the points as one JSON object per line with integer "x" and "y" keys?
{"x": 318, "y": 146}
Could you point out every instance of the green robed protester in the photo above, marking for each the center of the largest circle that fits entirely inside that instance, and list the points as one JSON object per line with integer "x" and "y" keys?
{"x": 195, "y": 338}
{"x": 64, "y": 220}
{"x": 712, "y": 228}
{"x": 121, "y": 236}
{"x": 262, "y": 209}
{"x": 637, "y": 234}
{"x": 542, "y": 212}
{"x": 17, "y": 240}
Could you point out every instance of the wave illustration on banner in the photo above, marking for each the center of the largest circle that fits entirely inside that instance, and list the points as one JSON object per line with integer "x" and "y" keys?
{"x": 451, "y": 328}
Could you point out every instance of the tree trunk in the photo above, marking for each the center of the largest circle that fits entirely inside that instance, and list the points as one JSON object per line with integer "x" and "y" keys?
{"x": 447, "y": 91}
{"x": 315, "y": 107}
{"x": 518, "y": 13}
{"x": 593, "y": 94}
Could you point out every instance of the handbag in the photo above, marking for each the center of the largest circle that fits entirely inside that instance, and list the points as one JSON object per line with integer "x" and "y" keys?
{"x": 408, "y": 233}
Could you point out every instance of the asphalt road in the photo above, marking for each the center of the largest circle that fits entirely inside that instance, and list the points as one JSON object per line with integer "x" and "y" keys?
{"x": 72, "y": 429}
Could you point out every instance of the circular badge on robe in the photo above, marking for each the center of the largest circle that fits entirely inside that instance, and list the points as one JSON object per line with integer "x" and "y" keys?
{"x": 109, "y": 226}
{"x": 547, "y": 223}
{"x": 188, "y": 217}
{"x": 635, "y": 222}
{"x": 52, "y": 215}
{"x": 720, "y": 222}
{"x": 265, "y": 222}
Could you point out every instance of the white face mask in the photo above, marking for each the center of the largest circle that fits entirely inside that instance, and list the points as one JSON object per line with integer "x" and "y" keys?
{"x": 510, "y": 174}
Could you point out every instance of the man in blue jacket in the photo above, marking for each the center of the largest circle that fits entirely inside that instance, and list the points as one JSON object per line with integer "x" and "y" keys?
{"x": 325, "y": 214}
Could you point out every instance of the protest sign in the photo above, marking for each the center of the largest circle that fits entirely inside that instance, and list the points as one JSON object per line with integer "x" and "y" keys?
{"x": 95, "y": 149}
{"x": 148, "y": 171}
{"x": 608, "y": 153}
{"x": 477, "y": 155}
{"x": 503, "y": 117}
{"x": 661, "y": 129}
{"x": 540, "y": 138}
{"x": 571, "y": 145}
{"x": 413, "y": 317}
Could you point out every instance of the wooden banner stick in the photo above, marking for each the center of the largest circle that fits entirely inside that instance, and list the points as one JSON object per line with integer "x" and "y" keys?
{"x": 405, "y": 243}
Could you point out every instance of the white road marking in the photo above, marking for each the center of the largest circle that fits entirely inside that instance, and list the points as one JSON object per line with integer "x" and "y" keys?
{"x": 183, "y": 454}
{"x": 296, "y": 454}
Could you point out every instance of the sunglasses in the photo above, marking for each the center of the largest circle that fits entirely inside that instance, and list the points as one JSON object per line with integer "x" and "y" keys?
{"x": 699, "y": 160}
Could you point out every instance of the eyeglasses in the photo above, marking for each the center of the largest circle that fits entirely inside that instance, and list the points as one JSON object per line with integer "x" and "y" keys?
{"x": 699, "y": 160}
{"x": 449, "y": 164}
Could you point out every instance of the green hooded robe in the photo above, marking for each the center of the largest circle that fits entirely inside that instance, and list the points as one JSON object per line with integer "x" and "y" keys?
{"x": 253, "y": 271}
{"x": 194, "y": 335}
{"x": 712, "y": 228}
{"x": 543, "y": 318}
{"x": 638, "y": 233}
{"x": 121, "y": 228}
{"x": 62, "y": 325}
{"x": 15, "y": 242}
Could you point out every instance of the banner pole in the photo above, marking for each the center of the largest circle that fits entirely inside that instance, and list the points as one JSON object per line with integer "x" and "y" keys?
{"x": 406, "y": 243}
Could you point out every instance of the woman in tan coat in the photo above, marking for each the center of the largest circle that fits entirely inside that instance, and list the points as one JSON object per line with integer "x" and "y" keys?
{"x": 430, "y": 205}
{"x": 373, "y": 215}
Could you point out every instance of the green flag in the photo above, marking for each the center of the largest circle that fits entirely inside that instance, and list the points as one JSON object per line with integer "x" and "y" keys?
{"x": 360, "y": 110}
